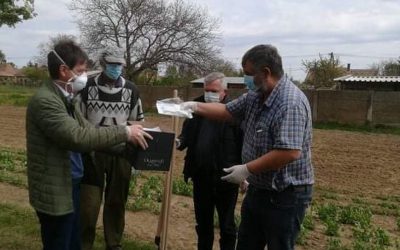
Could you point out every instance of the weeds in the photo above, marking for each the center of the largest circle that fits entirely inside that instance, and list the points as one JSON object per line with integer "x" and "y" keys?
{"x": 335, "y": 244}
{"x": 301, "y": 238}
{"x": 148, "y": 197}
{"x": 332, "y": 228}
{"x": 308, "y": 221}
{"x": 355, "y": 214}
{"x": 367, "y": 237}
{"x": 6, "y": 161}
{"x": 398, "y": 223}
{"x": 381, "y": 237}
{"x": 327, "y": 212}
{"x": 180, "y": 187}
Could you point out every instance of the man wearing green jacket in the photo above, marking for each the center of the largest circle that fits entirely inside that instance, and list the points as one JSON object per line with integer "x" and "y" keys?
{"x": 56, "y": 133}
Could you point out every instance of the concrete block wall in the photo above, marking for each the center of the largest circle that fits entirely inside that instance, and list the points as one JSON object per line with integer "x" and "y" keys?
{"x": 347, "y": 106}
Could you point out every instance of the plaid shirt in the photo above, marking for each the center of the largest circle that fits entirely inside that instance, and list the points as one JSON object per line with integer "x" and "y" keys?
{"x": 283, "y": 121}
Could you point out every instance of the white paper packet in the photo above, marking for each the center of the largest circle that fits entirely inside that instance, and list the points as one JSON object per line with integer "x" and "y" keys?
{"x": 171, "y": 106}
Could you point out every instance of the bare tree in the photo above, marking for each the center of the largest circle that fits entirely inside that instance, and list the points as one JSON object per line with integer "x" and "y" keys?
{"x": 387, "y": 67}
{"x": 46, "y": 47}
{"x": 2, "y": 57}
{"x": 224, "y": 66}
{"x": 152, "y": 32}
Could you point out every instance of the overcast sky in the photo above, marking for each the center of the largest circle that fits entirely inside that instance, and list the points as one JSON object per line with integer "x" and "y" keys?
{"x": 360, "y": 32}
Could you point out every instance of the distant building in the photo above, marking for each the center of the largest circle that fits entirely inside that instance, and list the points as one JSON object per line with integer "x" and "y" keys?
{"x": 9, "y": 74}
{"x": 375, "y": 83}
{"x": 233, "y": 83}
{"x": 360, "y": 72}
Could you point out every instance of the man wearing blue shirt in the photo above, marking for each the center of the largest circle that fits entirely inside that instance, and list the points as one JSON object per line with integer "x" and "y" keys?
{"x": 276, "y": 120}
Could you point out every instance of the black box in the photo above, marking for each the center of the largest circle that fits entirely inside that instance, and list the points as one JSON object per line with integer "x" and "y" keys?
{"x": 157, "y": 156}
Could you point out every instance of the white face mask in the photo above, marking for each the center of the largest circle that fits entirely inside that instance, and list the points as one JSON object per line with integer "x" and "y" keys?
{"x": 77, "y": 82}
{"x": 211, "y": 96}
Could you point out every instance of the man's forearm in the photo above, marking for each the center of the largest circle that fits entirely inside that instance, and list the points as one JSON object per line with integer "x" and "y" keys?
{"x": 273, "y": 160}
{"x": 216, "y": 111}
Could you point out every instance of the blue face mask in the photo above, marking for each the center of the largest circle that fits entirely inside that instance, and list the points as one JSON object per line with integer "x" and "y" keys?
{"x": 113, "y": 70}
{"x": 249, "y": 81}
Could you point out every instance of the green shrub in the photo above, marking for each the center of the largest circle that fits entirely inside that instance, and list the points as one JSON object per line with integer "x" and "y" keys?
{"x": 332, "y": 227}
{"x": 7, "y": 161}
{"x": 362, "y": 233}
{"x": 301, "y": 238}
{"x": 327, "y": 212}
{"x": 355, "y": 214}
{"x": 381, "y": 237}
{"x": 335, "y": 244}
{"x": 308, "y": 221}
{"x": 180, "y": 187}
{"x": 148, "y": 196}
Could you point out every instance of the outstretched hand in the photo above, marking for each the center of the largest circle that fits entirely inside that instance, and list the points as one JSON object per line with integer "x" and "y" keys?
{"x": 138, "y": 136}
{"x": 188, "y": 106}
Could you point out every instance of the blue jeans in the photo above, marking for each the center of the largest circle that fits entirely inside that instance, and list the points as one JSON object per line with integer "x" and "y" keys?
{"x": 271, "y": 218}
{"x": 62, "y": 232}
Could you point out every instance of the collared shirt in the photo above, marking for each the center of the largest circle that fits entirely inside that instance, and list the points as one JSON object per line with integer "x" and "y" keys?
{"x": 75, "y": 157}
{"x": 282, "y": 121}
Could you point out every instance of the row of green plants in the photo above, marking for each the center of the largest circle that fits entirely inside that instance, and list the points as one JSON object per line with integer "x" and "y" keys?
{"x": 356, "y": 218}
{"x": 145, "y": 190}
{"x": 339, "y": 222}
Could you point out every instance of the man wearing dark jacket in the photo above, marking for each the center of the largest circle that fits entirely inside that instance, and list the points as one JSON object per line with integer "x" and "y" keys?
{"x": 211, "y": 146}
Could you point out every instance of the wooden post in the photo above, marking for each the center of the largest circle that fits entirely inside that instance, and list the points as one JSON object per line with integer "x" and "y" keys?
{"x": 164, "y": 216}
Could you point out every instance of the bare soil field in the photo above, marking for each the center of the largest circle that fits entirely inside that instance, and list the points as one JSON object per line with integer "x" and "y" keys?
{"x": 348, "y": 163}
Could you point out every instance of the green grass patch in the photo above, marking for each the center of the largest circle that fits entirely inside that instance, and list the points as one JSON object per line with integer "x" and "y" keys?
{"x": 180, "y": 187}
{"x": 328, "y": 212}
{"x": 355, "y": 214}
{"x": 19, "y": 229}
{"x": 330, "y": 196}
{"x": 13, "y": 167}
{"x": 380, "y": 129}
{"x": 15, "y": 95}
{"x": 389, "y": 205}
{"x": 359, "y": 201}
{"x": 335, "y": 244}
{"x": 147, "y": 196}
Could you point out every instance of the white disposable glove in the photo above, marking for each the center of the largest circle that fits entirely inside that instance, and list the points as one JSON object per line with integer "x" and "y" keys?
{"x": 188, "y": 106}
{"x": 244, "y": 186}
{"x": 177, "y": 143}
{"x": 138, "y": 136}
{"x": 237, "y": 174}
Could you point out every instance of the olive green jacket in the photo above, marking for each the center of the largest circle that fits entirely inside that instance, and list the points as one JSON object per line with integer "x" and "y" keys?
{"x": 51, "y": 133}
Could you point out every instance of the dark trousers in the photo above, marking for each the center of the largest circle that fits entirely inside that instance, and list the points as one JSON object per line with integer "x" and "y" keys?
{"x": 271, "y": 218}
{"x": 115, "y": 172}
{"x": 62, "y": 232}
{"x": 209, "y": 194}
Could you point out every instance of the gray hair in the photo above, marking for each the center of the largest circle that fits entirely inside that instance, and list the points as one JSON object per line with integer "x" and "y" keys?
{"x": 264, "y": 55}
{"x": 216, "y": 76}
